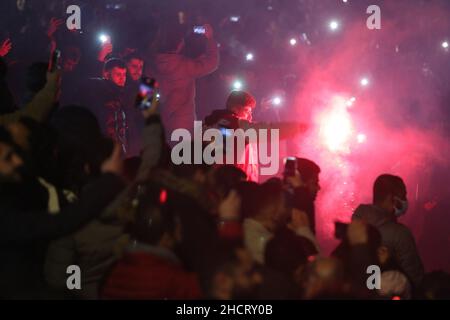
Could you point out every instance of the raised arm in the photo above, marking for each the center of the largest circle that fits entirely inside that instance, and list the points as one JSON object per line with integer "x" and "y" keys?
{"x": 41, "y": 105}
{"x": 206, "y": 63}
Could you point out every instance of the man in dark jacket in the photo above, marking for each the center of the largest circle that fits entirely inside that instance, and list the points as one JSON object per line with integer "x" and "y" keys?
{"x": 389, "y": 203}
{"x": 176, "y": 75}
{"x": 304, "y": 187}
{"x": 135, "y": 66}
{"x": 107, "y": 100}
{"x": 21, "y": 267}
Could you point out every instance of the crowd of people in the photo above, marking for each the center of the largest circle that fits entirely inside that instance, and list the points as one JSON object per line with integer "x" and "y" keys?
{"x": 86, "y": 180}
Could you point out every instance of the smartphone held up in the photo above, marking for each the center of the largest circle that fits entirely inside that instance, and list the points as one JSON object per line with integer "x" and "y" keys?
{"x": 146, "y": 94}
{"x": 199, "y": 30}
{"x": 54, "y": 61}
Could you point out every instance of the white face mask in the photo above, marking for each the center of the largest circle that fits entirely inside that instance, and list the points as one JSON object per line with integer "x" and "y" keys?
{"x": 402, "y": 210}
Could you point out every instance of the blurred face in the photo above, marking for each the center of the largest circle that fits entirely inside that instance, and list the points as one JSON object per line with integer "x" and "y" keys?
{"x": 244, "y": 113}
{"x": 118, "y": 76}
{"x": 135, "y": 67}
{"x": 397, "y": 200}
{"x": 10, "y": 162}
{"x": 20, "y": 4}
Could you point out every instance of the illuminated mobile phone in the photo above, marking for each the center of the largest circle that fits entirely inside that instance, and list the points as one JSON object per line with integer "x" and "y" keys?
{"x": 199, "y": 29}
{"x": 54, "y": 61}
{"x": 147, "y": 90}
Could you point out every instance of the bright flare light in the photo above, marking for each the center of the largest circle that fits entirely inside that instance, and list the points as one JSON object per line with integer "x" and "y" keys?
{"x": 361, "y": 138}
{"x": 293, "y": 41}
{"x": 249, "y": 57}
{"x": 350, "y": 101}
{"x": 276, "y": 101}
{"x": 237, "y": 85}
{"x": 103, "y": 38}
{"x": 445, "y": 44}
{"x": 364, "y": 82}
{"x": 336, "y": 126}
{"x": 334, "y": 25}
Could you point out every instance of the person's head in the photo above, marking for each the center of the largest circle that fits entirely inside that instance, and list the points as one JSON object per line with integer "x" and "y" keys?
{"x": 10, "y": 161}
{"x": 135, "y": 66}
{"x": 200, "y": 173}
{"x": 115, "y": 70}
{"x": 21, "y": 4}
{"x": 237, "y": 277}
{"x": 358, "y": 233}
{"x": 156, "y": 222}
{"x": 81, "y": 145}
{"x": 271, "y": 210}
{"x": 242, "y": 104}
{"x": 37, "y": 142}
{"x": 309, "y": 172}
{"x": 389, "y": 193}
{"x": 226, "y": 178}
{"x": 249, "y": 194}
{"x": 71, "y": 58}
{"x": 286, "y": 257}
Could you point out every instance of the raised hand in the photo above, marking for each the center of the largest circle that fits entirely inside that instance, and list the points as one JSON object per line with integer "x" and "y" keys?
{"x": 357, "y": 233}
{"x": 153, "y": 108}
{"x": 53, "y": 26}
{"x": 106, "y": 49}
{"x": 5, "y": 47}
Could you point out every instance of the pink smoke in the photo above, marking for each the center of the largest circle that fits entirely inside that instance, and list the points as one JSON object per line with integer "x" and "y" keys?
{"x": 393, "y": 125}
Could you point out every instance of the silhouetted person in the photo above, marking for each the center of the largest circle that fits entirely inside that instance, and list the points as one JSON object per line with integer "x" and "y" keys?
{"x": 389, "y": 203}
{"x": 176, "y": 75}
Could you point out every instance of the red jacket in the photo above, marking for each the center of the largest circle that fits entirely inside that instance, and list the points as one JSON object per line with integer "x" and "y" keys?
{"x": 142, "y": 275}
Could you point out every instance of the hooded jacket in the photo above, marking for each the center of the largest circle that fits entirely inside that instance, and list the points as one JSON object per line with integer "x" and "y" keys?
{"x": 397, "y": 237}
